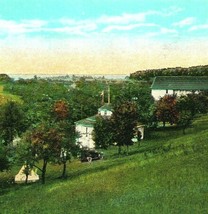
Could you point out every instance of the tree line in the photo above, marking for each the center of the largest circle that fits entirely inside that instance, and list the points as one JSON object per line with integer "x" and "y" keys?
{"x": 149, "y": 74}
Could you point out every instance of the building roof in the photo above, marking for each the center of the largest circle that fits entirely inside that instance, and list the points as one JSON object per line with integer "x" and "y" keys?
{"x": 87, "y": 122}
{"x": 180, "y": 83}
{"x": 107, "y": 107}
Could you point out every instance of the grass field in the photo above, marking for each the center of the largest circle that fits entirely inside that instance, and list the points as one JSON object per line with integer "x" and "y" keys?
{"x": 5, "y": 97}
{"x": 168, "y": 173}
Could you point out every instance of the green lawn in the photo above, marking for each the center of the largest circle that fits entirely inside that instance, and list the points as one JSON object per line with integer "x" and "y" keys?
{"x": 166, "y": 174}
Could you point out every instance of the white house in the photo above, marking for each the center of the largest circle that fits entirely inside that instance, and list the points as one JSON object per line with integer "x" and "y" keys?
{"x": 179, "y": 85}
{"x": 106, "y": 110}
{"x": 85, "y": 127}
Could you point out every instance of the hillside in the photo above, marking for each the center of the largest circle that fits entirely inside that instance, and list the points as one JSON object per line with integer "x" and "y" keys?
{"x": 201, "y": 70}
{"x": 166, "y": 174}
{"x": 5, "y": 96}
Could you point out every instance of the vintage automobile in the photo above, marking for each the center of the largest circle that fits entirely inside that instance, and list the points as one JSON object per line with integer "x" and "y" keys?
{"x": 90, "y": 155}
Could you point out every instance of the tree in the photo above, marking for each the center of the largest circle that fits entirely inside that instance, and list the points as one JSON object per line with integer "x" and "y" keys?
{"x": 61, "y": 110}
{"x": 134, "y": 91}
{"x": 4, "y": 160}
{"x": 45, "y": 144}
{"x": 186, "y": 112}
{"x": 124, "y": 120}
{"x": 24, "y": 154}
{"x": 12, "y": 122}
{"x": 166, "y": 110}
{"x": 68, "y": 147}
{"x": 184, "y": 120}
{"x": 102, "y": 134}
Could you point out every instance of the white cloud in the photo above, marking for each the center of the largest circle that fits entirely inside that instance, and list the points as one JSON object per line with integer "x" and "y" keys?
{"x": 122, "y": 19}
{"x": 75, "y": 30}
{"x": 102, "y": 24}
{"x": 185, "y": 22}
{"x": 199, "y": 27}
{"x": 167, "y": 31}
{"x": 25, "y": 26}
{"x": 127, "y": 27}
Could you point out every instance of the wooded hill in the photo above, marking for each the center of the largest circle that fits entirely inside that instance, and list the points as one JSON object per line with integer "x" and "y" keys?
{"x": 201, "y": 70}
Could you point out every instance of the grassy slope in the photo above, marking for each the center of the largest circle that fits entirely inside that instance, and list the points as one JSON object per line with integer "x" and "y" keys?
{"x": 5, "y": 97}
{"x": 167, "y": 174}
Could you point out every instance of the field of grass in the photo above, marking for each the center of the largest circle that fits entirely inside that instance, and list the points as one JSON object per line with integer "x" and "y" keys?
{"x": 5, "y": 97}
{"x": 166, "y": 174}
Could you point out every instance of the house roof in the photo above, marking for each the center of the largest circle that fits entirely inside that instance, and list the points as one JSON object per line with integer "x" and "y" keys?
{"x": 107, "y": 107}
{"x": 87, "y": 122}
{"x": 180, "y": 83}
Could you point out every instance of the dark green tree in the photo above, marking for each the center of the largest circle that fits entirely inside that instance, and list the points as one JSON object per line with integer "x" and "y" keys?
{"x": 186, "y": 112}
{"x": 102, "y": 134}
{"x": 134, "y": 91}
{"x": 12, "y": 122}
{"x": 124, "y": 120}
{"x": 4, "y": 159}
{"x": 184, "y": 120}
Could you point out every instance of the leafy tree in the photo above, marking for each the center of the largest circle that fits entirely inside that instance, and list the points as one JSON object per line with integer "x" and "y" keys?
{"x": 68, "y": 146}
{"x": 4, "y": 160}
{"x": 137, "y": 92}
{"x": 166, "y": 110}
{"x": 197, "y": 103}
{"x": 184, "y": 120}
{"x": 12, "y": 121}
{"x": 61, "y": 110}
{"x": 124, "y": 119}
{"x": 24, "y": 154}
{"x": 186, "y": 109}
{"x": 102, "y": 134}
{"x": 45, "y": 144}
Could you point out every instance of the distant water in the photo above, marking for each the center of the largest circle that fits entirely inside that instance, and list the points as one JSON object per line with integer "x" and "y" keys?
{"x": 30, "y": 76}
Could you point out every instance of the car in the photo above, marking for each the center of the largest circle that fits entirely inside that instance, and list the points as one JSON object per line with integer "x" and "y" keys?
{"x": 91, "y": 155}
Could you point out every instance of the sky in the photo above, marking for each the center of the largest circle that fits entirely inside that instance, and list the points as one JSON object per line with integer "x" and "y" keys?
{"x": 101, "y": 37}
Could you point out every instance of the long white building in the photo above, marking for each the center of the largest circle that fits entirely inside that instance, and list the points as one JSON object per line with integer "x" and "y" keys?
{"x": 179, "y": 85}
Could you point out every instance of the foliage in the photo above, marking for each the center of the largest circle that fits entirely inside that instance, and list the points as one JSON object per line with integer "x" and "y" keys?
{"x": 12, "y": 121}
{"x": 166, "y": 110}
{"x": 190, "y": 105}
{"x": 5, "y": 78}
{"x": 177, "y": 71}
{"x": 68, "y": 146}
{"x": 45, "y": 145}
{"x": 38, "y": 97}
{"x": 138, "y": 92}
{"x": 61, "y": 109}
{"x": 4, "y": 160}
{"x": 124, "y": 119}
{"x": 184, "y": 120}
{"x": 102, "y": 134}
